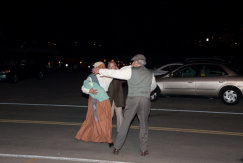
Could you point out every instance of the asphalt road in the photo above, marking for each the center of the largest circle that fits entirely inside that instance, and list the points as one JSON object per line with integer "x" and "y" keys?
{"x": 39, "y": 119}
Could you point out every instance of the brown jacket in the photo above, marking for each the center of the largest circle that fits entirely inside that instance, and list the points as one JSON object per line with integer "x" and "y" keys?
{"x": 115, "y": 92}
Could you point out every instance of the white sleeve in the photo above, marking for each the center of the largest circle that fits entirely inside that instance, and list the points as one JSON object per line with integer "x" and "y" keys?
{"x": 154, "y": 84}
{"x": 85, "y": 90}
{"x": 123, "y": 73}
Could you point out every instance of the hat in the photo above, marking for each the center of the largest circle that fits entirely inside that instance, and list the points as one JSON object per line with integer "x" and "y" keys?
{"x": 138, "y": 57}
{"x": 97, "y": 64}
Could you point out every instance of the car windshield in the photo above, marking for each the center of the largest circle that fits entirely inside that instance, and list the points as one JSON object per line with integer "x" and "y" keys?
{"x": 171, "y": 68}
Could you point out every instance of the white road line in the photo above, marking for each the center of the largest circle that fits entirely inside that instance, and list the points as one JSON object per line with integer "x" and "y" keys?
{"x": 58, "y": 158}
{"x": 154, "y": 109}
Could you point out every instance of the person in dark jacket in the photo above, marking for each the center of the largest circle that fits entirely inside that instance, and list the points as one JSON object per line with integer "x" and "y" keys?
{"x": 117, "y": 99}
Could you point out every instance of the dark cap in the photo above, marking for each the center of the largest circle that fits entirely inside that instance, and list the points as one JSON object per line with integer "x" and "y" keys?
{"x": 138, "y": 57}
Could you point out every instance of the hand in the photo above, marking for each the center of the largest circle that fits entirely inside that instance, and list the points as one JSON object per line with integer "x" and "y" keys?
{"x": 92, "y": 91}
{"x": 95, "y": 70}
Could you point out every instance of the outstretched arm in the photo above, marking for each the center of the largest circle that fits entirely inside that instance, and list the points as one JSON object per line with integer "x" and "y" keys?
{"x": 123, "y": 73}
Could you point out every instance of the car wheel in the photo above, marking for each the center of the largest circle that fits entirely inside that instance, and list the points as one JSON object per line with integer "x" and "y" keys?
{"x": 155, "y": 94}
{"x": 230, "y": 95}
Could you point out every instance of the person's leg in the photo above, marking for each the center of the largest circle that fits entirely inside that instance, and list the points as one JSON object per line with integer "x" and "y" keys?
{"x": 129, "y": 113}
{"x": 119, "y": 116}
{"x": 112, "y": 114}
{"x": 143, "y": 113}
{"x": 112, "y": 108}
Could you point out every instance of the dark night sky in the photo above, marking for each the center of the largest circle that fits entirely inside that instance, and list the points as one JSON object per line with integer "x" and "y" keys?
{"x": 150, "y": 26}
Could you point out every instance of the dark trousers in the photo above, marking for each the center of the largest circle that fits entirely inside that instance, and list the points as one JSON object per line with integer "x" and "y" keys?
{"x": 141, "y": 107}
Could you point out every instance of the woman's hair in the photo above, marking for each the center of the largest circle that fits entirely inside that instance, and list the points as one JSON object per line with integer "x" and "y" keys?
{"x": 101, "y": 66}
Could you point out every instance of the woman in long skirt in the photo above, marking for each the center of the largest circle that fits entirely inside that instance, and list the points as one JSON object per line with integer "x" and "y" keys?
{"x": 98, "y": 124}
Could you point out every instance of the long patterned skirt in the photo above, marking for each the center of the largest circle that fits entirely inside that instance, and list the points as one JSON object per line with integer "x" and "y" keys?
{"x": 97, "y": 131}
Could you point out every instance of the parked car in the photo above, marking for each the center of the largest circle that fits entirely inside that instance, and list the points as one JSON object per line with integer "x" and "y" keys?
{"x": 166, "y": 68}
{"x": 201, "y": 79}
{"x": 16, "y": 70}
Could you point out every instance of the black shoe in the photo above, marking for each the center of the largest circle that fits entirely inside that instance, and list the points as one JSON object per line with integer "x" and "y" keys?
{"x": 110, "y": 145}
